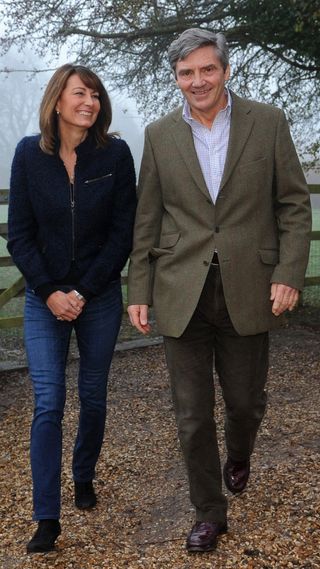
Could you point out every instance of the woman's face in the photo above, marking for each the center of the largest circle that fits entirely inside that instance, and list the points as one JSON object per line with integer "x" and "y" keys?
{"x": 78, "y": 105}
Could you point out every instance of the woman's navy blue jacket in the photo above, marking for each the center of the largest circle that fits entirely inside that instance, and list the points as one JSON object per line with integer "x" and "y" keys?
{"x": 48, "y": 237}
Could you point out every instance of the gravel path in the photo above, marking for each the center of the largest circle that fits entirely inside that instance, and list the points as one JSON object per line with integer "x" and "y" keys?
{"x": 143, "y": 513}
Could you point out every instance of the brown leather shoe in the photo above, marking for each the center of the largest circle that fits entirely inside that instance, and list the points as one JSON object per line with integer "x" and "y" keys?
{"x": 236, "y": 475}
{"x": 203, "y": 536}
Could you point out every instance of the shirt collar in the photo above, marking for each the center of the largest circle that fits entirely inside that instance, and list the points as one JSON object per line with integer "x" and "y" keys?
{"x": 186, "y": 113}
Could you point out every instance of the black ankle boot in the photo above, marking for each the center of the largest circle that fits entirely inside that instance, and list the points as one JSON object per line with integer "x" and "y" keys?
{"x": 45, "y": 536}
{"x": 85, "y": 497}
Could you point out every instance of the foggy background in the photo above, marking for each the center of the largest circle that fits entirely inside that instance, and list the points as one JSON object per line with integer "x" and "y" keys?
{"x": 20, "y": 96}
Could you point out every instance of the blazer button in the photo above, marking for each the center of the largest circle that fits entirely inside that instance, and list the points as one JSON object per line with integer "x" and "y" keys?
{"x": 217, "y": 229}
{"x": 206, "y": 263}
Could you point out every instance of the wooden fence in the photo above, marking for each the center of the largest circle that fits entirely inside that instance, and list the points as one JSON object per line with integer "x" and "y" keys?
{"x": 17, "y": 288}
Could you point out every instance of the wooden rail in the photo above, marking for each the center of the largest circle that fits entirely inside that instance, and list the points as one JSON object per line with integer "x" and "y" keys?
{"x": 315, "y": 236}
{"x": 17, "y": 288}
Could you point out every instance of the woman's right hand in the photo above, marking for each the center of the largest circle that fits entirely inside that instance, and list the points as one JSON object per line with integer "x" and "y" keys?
{"x": 63, "y": 306}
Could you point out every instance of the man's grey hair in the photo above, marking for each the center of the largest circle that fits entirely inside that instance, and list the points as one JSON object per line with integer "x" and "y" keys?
{"x": 192, "y": 39}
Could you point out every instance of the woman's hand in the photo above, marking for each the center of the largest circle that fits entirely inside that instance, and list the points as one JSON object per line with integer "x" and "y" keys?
{"x": 76, "y": 301}
{"x": 65, "y": 306}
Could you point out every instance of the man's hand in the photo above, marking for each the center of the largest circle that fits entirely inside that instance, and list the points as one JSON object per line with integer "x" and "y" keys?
{"x": 138, "y": 314}
{"x": 65, "y": 306}
{"x": 284, "y": 298}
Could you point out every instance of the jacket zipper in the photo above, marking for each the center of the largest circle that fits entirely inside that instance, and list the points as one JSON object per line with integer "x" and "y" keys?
{"x": 72, "y": 203}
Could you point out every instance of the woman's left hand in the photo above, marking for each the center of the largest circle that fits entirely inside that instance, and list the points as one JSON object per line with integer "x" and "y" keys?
{"x": 65, "y": 306}
{"x": 75, "y": 301}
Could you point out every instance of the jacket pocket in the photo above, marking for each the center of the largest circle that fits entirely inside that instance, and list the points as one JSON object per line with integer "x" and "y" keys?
{"x": 167, "y": 242}
{"x": 254, "y": 165}
{"x": 92, "y": 180}
{"x": 269, "y": 256}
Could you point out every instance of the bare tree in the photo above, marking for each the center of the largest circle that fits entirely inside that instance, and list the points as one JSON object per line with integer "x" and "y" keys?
{"x": 274, "y": 44}
{"x": 19, "y": 114}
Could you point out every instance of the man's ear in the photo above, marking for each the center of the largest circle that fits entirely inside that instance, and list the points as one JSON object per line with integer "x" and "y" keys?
{"x": 227, "y": 73}
{"x": 174, "y": 76}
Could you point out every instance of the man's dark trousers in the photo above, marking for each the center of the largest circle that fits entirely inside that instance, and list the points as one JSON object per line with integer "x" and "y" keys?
{"x": 241, "y": 363}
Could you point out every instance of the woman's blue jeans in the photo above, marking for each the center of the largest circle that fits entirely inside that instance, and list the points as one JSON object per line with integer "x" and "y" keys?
{"x": 47, "y": 342}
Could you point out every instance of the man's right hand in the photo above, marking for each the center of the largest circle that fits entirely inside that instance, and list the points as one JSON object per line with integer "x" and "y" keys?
{"x": 138, "y": 314}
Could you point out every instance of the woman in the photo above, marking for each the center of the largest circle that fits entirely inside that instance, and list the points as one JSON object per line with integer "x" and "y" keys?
{"x": 71, "y": 212}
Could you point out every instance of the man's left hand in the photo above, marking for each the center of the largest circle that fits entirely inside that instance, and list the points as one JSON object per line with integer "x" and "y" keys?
{"x": 283, "y": 298}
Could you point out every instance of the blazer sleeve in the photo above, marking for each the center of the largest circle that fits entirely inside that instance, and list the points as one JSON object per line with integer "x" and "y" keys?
{"x": 22, "y": 225}
{"x": 292, "y": 209}
{"x": 115, "y": 252}
{"x": 147, "y": 228}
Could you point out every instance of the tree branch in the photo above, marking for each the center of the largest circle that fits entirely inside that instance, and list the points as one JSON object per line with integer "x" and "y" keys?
{"x": 292, "y": 62}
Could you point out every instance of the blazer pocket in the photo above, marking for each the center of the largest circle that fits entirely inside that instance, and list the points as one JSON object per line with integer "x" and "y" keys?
{"x": 167, "y": 241}
{"x": 269, "y": 256}
{"x": 254, "y": 164}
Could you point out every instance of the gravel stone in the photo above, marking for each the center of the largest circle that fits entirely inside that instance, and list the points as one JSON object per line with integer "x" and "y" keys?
{"x": 143, "y": 513}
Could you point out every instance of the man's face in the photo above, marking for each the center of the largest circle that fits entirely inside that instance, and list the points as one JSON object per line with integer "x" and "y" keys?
{"x": 201, "y": 78}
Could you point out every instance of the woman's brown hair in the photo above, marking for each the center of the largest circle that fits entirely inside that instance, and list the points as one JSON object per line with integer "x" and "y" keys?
{"x": 48, "y": 116}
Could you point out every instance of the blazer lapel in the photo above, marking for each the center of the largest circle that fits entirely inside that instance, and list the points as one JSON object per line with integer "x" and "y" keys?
{"x": 182, "y": 135}
{"x": 240, "y": 128}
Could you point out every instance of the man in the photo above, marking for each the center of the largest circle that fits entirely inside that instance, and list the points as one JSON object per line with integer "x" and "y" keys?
{"x": 220, "y": 250}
